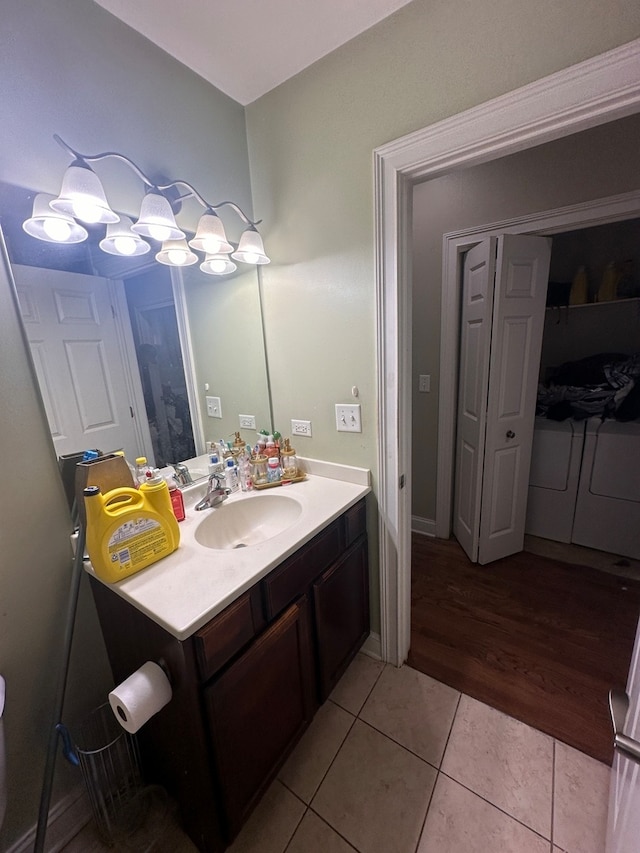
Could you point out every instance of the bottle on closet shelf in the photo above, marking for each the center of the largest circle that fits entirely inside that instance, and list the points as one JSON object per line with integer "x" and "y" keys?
{"x": 579, "y": 294}
{"x": 608, "y": 289}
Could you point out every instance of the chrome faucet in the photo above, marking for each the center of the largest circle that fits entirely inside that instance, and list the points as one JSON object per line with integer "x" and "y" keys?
{"x": 182, "y": 475}
{"x": 216, "y": 492}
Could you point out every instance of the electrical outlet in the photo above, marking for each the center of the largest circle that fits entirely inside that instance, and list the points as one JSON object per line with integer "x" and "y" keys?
{"x": 348, "y": 418}
{"x": 301, "y": 428}
{"x": 424, "y": 383}
{"x": 214, "y": 407}
{"x": 247, "y": 421}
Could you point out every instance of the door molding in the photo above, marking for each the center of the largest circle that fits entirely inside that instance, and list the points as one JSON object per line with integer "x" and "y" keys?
{"x": 590, "y": 93}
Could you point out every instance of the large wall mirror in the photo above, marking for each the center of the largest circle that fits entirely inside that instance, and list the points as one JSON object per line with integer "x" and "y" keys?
{"x": 127, "y": 351}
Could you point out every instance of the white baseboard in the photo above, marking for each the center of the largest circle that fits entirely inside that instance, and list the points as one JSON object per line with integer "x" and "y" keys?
{"x": 66, "y": 818}
{"x": 426, "y": 526}
{"x": 372, "y": 646}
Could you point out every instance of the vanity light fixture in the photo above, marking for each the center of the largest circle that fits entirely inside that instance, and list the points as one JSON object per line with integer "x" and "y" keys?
{"x": 122, "y": 240}
{"x": 82, "y": 197}
{"x": 176, "y": 253}
{"x": 52, "y": 226}
{"x": 250, "y": 249}
{"x": 217, "y": 264}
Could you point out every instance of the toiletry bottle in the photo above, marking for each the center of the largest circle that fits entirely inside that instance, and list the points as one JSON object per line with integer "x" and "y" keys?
{"x": 231, "y": 475}
{"x": 259, "y": 469}
{"x": 244, "y": 471}
{"x": 288, "y": 461}
{"x": 143, "y": 470}
{"x": 262, "y": 443}
{"x": 215, "y": 465}
{"x": 270, "y": 449}
{"x": 273, "y": 469}
{"x": 177, "y": 501}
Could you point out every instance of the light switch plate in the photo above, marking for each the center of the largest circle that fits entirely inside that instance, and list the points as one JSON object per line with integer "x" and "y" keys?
{"x": 214, "y": 407}
{"x": 348, "y": 418}
{"x": 424, "y": 383}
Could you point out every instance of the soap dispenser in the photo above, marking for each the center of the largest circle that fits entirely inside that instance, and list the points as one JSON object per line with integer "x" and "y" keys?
{"x": 289, "y": 461}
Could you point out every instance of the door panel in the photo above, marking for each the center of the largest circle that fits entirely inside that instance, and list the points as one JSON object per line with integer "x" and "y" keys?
{"x": 78, "y": 359}
{"x": 475, "y": 341}
{"x": 522, "y": 271}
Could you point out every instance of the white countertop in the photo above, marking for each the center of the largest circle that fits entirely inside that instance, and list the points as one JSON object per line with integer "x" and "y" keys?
{"x": 183, "y": 591}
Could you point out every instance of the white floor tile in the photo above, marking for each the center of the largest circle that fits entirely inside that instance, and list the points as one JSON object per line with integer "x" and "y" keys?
{"x": 311, "y": 758}
{"x": 461, "y": 822}
{"x": 581, "y": 801}
{"x": 272, "y": 824}
{"x": 315, "y": 836}
{"x": 376, "y": 793}
{"x": 355, "y": 685}
{"x": 503, "y": 760}
{"x": 413, "y": 709}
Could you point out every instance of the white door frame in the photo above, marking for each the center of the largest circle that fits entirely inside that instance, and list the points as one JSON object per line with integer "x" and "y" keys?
{"x": 585, "y": 95}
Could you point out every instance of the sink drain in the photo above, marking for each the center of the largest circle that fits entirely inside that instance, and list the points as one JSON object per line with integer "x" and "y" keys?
{"x": 240, "y": 545}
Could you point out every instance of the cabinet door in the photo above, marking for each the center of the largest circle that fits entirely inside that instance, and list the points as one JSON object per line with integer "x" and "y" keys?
{"x": 258, "y": 708}
{"x": 341, "y": 604}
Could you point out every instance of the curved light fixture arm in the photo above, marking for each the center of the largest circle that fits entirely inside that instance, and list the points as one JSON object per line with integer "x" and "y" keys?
{"x": 193, "y": 193}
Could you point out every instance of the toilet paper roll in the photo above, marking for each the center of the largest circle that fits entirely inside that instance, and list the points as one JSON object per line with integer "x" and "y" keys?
{"x": 140, "y": 696}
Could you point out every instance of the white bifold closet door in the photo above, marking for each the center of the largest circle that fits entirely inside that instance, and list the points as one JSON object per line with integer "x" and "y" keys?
{"x": 503, "y": 303}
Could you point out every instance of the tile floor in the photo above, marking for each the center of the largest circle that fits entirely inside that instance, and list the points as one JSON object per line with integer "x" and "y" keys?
{"x": 396, "y": 762}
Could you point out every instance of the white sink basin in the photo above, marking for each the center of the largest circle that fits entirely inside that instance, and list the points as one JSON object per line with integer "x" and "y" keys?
{"x": 247, "y": 522}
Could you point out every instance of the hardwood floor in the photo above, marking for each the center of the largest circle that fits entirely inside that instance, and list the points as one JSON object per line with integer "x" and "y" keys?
{"x": 541, "y": 640}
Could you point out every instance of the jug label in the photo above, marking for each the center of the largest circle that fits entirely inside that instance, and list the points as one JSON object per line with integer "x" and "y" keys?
{"x": 136, "y": 542}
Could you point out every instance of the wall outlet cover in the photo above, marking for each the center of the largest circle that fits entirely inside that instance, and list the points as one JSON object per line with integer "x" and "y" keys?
{"x": 301, "y": 428}
{"x": 247, "y": 421}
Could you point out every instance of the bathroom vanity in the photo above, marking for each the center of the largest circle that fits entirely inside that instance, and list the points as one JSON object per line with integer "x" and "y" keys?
{"x": 255, "y": 658}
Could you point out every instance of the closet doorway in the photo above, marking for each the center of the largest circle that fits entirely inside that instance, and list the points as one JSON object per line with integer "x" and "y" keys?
{"x": 456, "y": 245}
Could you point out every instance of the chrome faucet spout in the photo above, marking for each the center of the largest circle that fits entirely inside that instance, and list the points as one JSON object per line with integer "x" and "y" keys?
{"x": 217, "y": 492}
{"x": 182, "y": 474}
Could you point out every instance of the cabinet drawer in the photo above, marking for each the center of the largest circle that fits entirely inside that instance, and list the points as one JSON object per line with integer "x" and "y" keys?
{"x": 295, "y": 575}
{"x": 225, "y": 635}
{"x": 355, "y": 523}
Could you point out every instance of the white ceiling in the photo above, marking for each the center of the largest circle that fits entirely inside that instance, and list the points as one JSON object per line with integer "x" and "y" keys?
{"x": 248, "y": 47}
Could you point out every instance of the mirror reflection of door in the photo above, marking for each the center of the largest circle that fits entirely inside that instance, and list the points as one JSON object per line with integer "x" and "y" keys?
{"x": 157, "y": 344}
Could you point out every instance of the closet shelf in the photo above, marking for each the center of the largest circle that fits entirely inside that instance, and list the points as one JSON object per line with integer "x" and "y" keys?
{"x": 595, "y": 304}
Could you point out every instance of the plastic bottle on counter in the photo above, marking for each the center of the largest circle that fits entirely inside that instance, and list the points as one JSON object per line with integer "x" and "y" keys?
{"x": 177, "y": 500}
{"x": 215, "y": 464}
{"x": 143, "y": 470}
{"x": 288, "y": 461}
{"x": 231, "y": 475}
{"x": 132, "y": 468}
{"x": 273, "y": 469}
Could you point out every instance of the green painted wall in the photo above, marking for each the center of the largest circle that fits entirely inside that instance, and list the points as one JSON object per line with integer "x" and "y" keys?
{"x": 69, "y": 67}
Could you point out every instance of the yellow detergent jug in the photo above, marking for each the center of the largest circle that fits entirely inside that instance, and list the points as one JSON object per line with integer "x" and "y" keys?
{"x": 128, "y": 529}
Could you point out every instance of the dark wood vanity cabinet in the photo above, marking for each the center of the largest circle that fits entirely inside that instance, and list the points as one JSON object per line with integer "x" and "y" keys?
{"x": 247, "y": 684}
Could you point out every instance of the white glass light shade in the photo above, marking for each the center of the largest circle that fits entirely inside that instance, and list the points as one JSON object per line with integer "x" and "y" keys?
{"x": 250, "y": 249}
{"x": 121, "y": 240}
{"x": 217, "y": 265}
{"x": 82, "y": 196}
{"x": 210, "y": 236}
{"x": 176, "y": 253}
{"x": 156, "y": 219}
{"x": 52, "y": 226}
